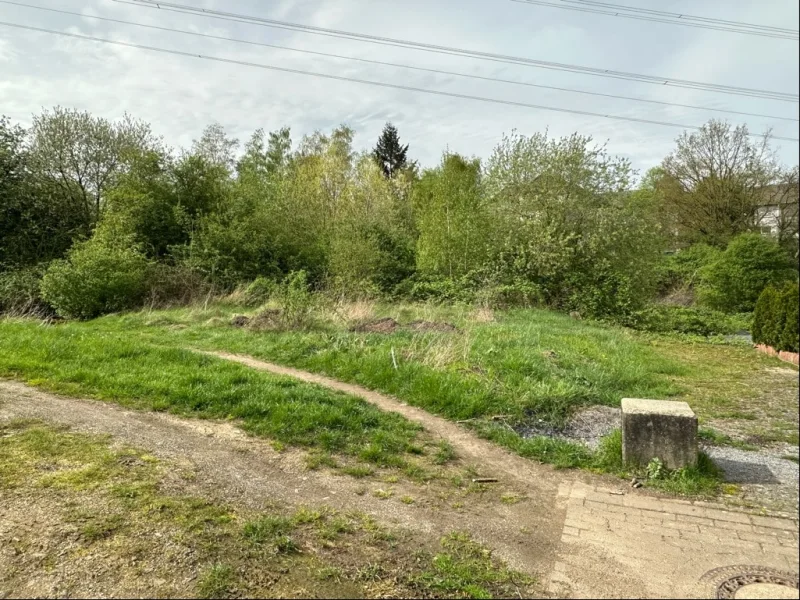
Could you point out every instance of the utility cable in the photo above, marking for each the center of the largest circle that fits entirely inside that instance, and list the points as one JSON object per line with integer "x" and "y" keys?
{"x": 362, "y": 81}
{"x": 401, "y": 66}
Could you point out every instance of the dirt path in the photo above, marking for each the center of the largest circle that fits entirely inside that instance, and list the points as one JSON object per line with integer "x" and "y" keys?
{"x": 226, "y": 464}
{"x": 578, "y": 539}
{"x": 493, "y": 460}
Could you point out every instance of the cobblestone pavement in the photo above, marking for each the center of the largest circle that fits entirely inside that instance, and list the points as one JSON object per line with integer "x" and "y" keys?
{"x": 619, "y": 544}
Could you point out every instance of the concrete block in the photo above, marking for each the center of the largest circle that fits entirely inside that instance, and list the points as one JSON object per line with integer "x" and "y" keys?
{"x": 658, "y": 429}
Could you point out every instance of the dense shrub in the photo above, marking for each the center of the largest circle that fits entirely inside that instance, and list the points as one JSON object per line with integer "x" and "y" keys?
{"x": 296, "y": 301}
{"x": 20, "y": 292}
{"x": 693, "y": 321}
{"x": 681, "y": 271}
{"x": 259, "y": 291}
{"x": 98, "y": 276}
{"x": 775, "y": 320}
{"x": 175, "y": 285}
{"x": 749, "y": 264}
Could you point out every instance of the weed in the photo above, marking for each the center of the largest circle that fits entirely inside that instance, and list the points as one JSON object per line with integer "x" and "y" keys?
{"x": 359, "y": 471}
{"x": 511, "y": 498}
{"x": 466, "y": 568}
{"x": 407, "y": 500}
{"x": 267, "y": 529}
{"x": 444, "y": 453}
{"x": 382, "y": 494}
{"x": 216, "y": 582}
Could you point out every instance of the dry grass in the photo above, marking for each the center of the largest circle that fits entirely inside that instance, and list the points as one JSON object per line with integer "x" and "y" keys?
{"x": 346, "y": 311}
{"x": 483, "y": 314}
{"x": 440, "y": 350}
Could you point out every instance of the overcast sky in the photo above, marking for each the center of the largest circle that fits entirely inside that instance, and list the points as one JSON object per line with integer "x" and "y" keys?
{"x": 179, "y": 95}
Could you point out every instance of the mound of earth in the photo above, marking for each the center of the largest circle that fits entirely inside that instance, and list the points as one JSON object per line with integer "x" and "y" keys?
{"x": 432, "y": 326}
{"x": 269, "y": 318}
{"x": 240, "y": 321}
{"x": 385, "y": 325}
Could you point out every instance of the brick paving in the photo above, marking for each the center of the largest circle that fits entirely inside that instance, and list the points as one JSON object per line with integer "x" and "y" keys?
{"x": 623, "y": 544}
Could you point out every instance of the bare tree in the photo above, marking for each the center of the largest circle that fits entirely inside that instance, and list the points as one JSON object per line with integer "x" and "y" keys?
{"x": 716, "y": 182}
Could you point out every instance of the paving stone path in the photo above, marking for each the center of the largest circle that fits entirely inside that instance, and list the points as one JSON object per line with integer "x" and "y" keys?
{"x": 628, "y": 545}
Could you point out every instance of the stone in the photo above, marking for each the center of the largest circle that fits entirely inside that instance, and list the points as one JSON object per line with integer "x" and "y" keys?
{"x": 660, "y": 429}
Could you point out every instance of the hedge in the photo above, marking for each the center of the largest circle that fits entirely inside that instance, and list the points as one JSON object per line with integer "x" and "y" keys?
{"x": 775, "y": 321}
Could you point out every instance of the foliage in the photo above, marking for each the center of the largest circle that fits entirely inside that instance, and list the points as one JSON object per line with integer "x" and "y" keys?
{"x": 259, "y": 291}
{"x": 20, "y": 292}
{"x": 714, "y": 184}
{"x": 681, "y": 271}
{"x": 296, "y": 301}
{"x": 81, "y": 156}
{"x": 565, "y": 222}
{"x": 452, "y": 218}
{"x": 775, "y": 320}
{"x": 749, "y": 264}
{"x": 659, "y": 318}
{"x": 98, "y": 276}
{"x": 389, "y": 153}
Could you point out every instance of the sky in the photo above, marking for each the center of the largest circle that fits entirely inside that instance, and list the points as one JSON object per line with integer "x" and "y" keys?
{"x": 180, "y": 95}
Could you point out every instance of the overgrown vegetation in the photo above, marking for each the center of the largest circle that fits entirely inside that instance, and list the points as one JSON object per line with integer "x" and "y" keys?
{"x": 543, "y": 222}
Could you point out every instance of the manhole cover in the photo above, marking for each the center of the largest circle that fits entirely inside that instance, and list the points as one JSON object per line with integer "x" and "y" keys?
{"x": 749, "y": 581}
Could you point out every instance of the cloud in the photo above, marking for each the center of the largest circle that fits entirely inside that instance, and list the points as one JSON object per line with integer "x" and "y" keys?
{"x": 181, "y": 95}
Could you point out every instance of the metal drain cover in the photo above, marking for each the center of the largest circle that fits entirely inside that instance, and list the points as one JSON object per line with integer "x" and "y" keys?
{"x": 749, "y": 581}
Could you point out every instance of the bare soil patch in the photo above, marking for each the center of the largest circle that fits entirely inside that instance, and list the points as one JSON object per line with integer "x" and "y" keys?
{"x": 385, "y": 325}
{"x": 216, "y": 461}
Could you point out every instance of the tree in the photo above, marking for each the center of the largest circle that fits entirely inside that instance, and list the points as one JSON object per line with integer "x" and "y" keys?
{"x": 37, "y": 223}
{"x": 566, "y": 222}
{"x": 715, "y": 182}
{"x": 451, "y": 218}
{"x": 215, "y": 147}
{"x": 82, "y": 156}
{"x": 750, "y": 263}
{"x": 389, "y": 153}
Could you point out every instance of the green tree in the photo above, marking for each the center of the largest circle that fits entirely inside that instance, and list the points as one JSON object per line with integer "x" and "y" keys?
{"x": 566, "y": 222}
{"x": 389, "y": 153}
{"x": 37, "y": 223}
{"x": 750, "y": 263}
{"x": 452, "y": 219}
{"x": 79, "y": 157}
{"x": 716, "y": 181}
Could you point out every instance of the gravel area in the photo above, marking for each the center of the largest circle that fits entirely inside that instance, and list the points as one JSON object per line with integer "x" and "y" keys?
{"x": 763, "y": 477}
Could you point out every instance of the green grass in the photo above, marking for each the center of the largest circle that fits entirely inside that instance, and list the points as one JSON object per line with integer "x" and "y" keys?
{"x": 78, "y": 359}
{"x": 529, "y": 367}
{"x": 701, "y": 479}
{"x": 464, "y": 569}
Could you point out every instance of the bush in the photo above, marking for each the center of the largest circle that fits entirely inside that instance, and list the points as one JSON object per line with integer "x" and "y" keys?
{"x": 681, "y": 271}
{"x": 171, "y": 285}
{"x": 259, "y": 291}
{"x": 692, "y": 321}
{"x": 775, "y": 321}
{"x": 99, "y": 276}
{"x": 749, "y": 264}
{"x": 296, "y": 301}
{"x": 790, "y": 336}
{"x": 20, "y": 292}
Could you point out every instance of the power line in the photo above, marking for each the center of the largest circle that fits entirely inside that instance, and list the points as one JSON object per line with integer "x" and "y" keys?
{"x": 362, "y": 81}
{"x": 684, "y": 16}
{"x": 389, "y": 64}
{"x": 652, "y": 79}
{"x": 657, "y": 16}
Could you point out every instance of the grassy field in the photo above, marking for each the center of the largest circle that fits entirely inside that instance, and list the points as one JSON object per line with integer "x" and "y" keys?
{"x": 83, "y": 518}
{"x": 527, "y": 367}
